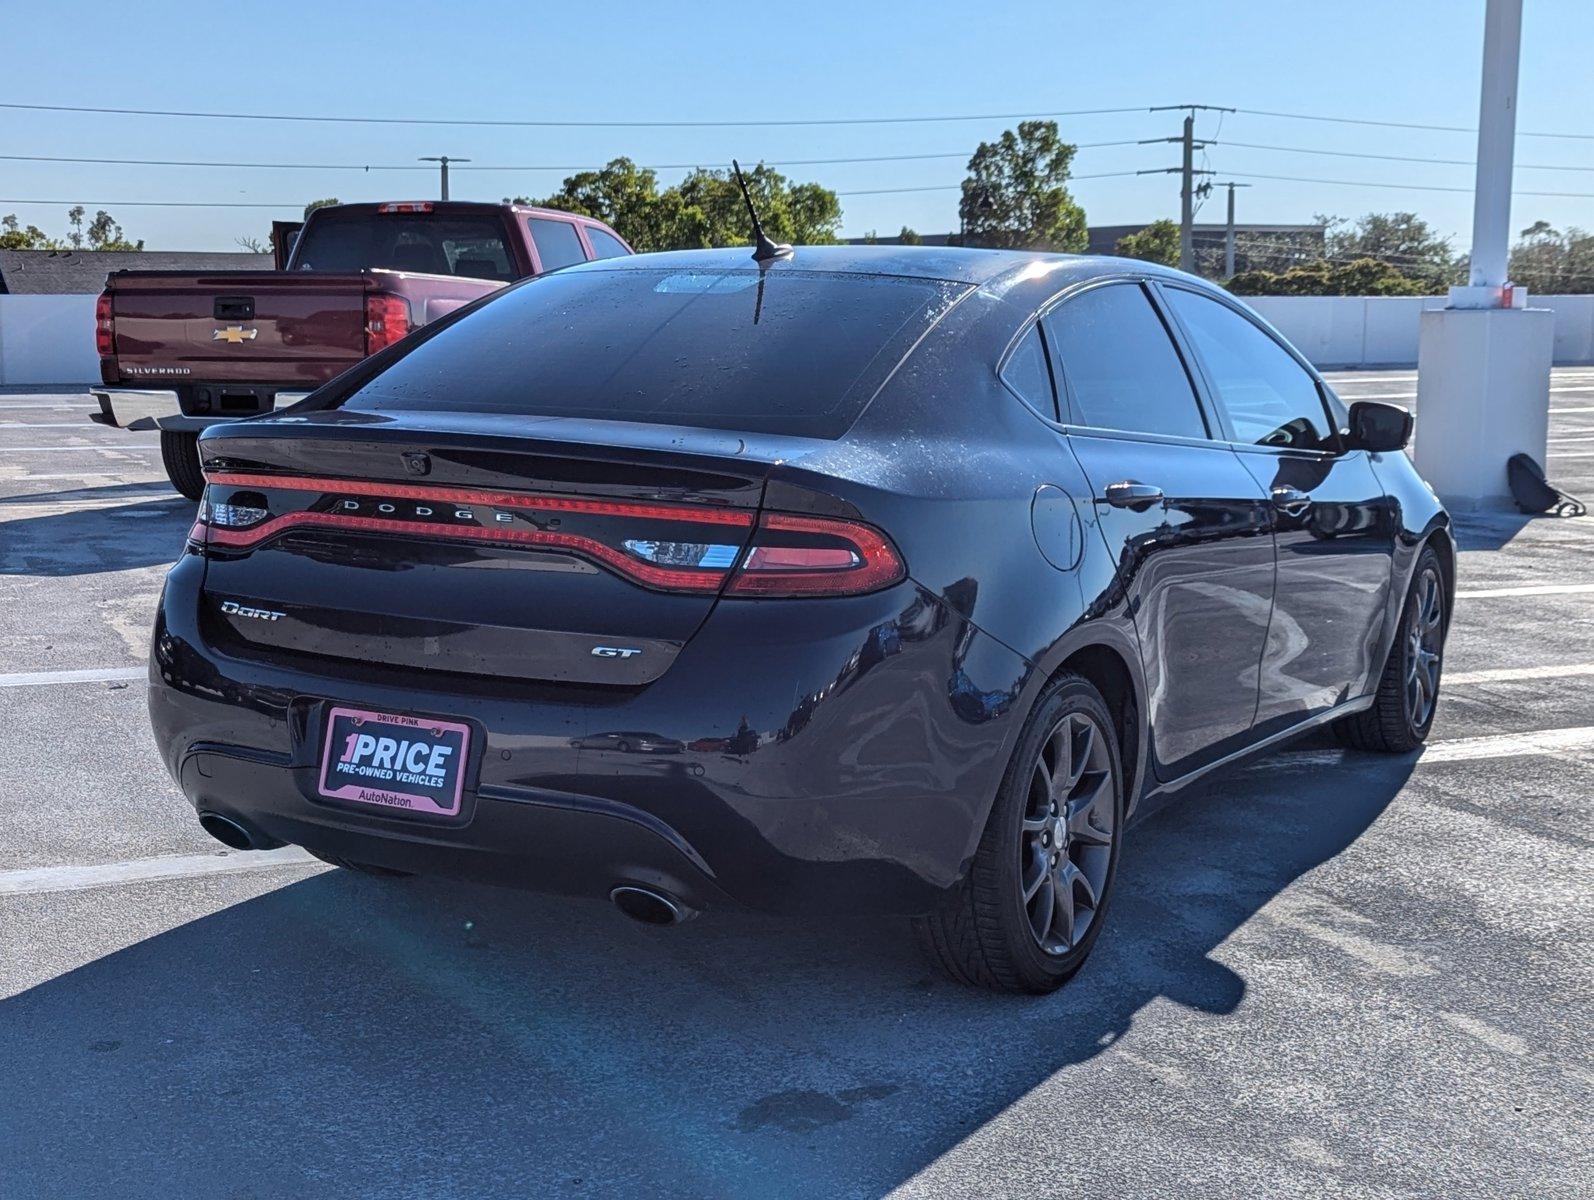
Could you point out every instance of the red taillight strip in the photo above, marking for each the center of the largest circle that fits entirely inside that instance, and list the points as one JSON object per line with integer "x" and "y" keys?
{"x": 684, "y": 578}
{"x": 881, "y": 564}
{"x": 697, "y": 514}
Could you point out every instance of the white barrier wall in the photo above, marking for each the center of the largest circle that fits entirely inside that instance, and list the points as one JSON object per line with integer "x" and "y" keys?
{"x": 1382, "y": 331}
{"x": 48, "y": 339}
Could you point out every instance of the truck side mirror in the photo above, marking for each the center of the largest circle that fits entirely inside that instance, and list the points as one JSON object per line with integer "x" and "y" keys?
{"x": 1379, "y": 427}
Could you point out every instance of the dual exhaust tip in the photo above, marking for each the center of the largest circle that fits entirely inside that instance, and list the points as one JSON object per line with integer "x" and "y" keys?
{"x": 646, "y": 905}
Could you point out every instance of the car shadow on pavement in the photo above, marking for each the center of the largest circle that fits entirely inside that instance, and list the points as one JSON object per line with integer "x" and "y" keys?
{"x": 352, "y": 1036}
{"x": 151, "y": 489}
{"x": 89, "y": 541}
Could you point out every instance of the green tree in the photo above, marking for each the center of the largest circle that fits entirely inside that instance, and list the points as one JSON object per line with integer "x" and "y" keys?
{"x": 1402, "y": 239}
{"x": 704, "y": 209}
{"x": 1157, "y": 242}
{"x": 102, "y": 233}
{"x": 1360, "y": 277}
{"x": 1551, "y": 262}
{"x": 315, "y": 204}
{"x": 1014, "y": 196}
{"x": 910, "y": 237}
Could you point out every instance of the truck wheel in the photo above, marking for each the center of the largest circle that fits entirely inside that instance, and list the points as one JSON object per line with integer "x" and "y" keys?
{"x": 180, "y": 454}
{"x": 1032, "y": 904}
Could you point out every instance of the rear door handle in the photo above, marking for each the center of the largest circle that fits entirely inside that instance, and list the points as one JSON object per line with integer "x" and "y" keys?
{"x": 1291, "y": 500}
{"x": 1130, "y": 494}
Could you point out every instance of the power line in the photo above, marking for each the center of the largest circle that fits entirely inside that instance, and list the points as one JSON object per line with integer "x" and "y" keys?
{"x": 1262, "y": 112}
{"x": 1454, "y": 162}
{"x": 287, "y": 166}
{"x": 742, "y": 124}
{"x": 934, "y": 187}
{"x": 1410, "y": 187}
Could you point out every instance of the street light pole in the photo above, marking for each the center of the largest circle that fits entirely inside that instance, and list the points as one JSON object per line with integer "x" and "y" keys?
{"x": 442, "y": 160}
{"x": 1228, "y": 236}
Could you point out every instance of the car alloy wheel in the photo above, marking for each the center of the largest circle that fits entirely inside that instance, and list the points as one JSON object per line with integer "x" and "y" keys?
{"x": 1065, "y": 850}
{"x": 1424, "y": 648}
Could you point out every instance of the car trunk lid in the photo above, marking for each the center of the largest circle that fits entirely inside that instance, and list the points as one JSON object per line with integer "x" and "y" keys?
{"x": 550, "y": 549}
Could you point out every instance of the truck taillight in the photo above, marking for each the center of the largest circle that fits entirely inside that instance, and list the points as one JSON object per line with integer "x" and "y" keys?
{"x": 104, "y": 327}
{"x": 387, "y": 319}
{"x": 406, "y": 206}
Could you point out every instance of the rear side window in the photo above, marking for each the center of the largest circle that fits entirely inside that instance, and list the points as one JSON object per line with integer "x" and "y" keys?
{"x": 558, "y": 243}
{"x": 1269, "y": 397}
{"x": 605, "y": 245}
{"x": 787, "y": 352}
{"x": 1028, "y": 375}
{"x": 432, "y": 244}
{"x": 1119, "y": 365}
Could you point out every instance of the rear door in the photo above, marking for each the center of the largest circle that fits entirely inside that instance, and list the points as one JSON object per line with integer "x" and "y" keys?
{"x": 1187, "y": 523}
{"x": 557, "y": 243}
{"x": 1334, "y": 525}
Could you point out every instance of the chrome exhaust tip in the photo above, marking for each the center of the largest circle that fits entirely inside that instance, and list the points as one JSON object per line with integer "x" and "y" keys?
{"x": 650, "y": 907}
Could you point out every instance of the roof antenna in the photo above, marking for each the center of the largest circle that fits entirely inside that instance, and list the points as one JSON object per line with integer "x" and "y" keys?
{"x": 765, "y": 250}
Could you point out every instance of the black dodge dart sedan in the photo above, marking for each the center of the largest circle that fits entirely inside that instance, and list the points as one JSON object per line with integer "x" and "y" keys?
{"x": 861, "y": 579}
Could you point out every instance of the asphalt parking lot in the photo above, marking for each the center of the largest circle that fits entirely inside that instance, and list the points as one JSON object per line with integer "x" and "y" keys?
{"x": 1325, "y": 974}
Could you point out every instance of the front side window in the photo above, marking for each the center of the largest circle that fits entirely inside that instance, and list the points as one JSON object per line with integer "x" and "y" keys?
{"x": 1120, "y": 365}
{"x": 1270, "y": 398}
{"x": 558, "y": 243}
{"x": 1028, "y": 375}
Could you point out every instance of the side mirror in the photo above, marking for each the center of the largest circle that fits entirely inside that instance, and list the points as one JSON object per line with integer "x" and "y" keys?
{"x": 1379, "y": 427}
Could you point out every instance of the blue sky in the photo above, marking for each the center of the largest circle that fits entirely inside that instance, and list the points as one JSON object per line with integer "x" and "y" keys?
{"x": 1394, "y": 60}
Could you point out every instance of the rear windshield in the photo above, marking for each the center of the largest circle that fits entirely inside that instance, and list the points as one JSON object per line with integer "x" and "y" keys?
{"x": 785, "y": 352}
{"x": 471, "y": 246}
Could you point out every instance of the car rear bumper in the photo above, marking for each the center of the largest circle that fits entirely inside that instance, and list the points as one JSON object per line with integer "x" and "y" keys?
{"x": 838, "y": 756}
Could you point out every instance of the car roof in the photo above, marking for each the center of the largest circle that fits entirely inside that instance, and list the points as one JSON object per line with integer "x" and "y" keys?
{"x": 953, "y": 264}
{"x": 465, "y": 206}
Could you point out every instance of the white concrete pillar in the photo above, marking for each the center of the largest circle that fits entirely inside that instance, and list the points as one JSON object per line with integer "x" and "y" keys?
{"x": 1483, "y": 382}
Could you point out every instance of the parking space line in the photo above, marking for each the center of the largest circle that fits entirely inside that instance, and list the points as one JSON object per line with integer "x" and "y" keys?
{"x": 91, "y": 675}
{"x": 81, "y": 878}
{"x": 1550, "y": 742}
{"x": 91, "y": 449}
{"x": 83, "y": 425}
{"x": 1515, "y": 674}
{"x": 1527, "y": 589}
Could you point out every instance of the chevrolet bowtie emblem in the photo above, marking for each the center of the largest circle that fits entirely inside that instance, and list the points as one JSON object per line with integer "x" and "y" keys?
{"x": 234, "y": 335}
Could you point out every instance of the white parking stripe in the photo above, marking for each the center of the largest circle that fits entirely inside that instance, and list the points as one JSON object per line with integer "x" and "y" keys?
{"x": 91, "y": 675}
{"x": 83, "y": 425}
{"x": 143, "y": 870}
{"x": 1551, "y": 742}
{"x": 90, "y": 449}
{"x": 1514, "y": 674}
{"x": 1527, "y": 589}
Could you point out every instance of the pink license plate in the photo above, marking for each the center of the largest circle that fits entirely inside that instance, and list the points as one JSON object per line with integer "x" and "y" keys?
{"x": 415, "y": 764}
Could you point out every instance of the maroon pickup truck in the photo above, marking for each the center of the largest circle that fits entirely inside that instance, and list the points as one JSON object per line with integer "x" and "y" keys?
{"x": 357, "y": 277}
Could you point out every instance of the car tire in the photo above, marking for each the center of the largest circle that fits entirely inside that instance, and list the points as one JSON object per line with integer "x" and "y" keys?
{"x": 180, "y": 455}
{"x": 1403, "y": 710}
{"x": 994, "y": 928}
{"x": 348, "y": 864}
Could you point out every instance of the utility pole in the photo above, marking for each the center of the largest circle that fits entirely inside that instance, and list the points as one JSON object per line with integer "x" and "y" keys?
{"x": 442, "y": 160}
{"x": 1187, "y": 173}
{"x": 1228, "y": 234}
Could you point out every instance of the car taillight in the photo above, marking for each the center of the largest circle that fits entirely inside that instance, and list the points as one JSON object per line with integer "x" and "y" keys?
{"x": 815, "y": 556}
{"x": 104, "y": 327}
{"x": 667, "y": 546}
{"x": 387, "y": 319}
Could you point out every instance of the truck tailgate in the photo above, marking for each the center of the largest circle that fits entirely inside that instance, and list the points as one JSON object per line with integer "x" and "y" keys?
{"x": 245, "y": 326}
